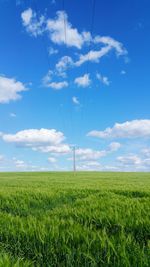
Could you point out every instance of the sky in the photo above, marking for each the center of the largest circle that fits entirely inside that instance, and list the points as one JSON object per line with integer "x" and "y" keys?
{"x": 74, "y": 74}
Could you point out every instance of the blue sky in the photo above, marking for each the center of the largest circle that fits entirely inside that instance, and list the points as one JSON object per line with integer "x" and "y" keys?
{"x": 74, "y": 73}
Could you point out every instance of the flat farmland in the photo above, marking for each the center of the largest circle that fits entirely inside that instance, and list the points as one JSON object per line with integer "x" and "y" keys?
{"x": 83, "y": 219}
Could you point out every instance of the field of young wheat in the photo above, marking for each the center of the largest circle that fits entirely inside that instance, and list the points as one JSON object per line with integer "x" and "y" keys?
{"x": 82, "y": 219}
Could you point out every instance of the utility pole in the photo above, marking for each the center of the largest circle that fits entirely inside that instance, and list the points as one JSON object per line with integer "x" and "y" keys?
{"x": 74, "y": 159}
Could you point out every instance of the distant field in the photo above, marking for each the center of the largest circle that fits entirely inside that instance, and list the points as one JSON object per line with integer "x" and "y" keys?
{"x": 80, "y": 220}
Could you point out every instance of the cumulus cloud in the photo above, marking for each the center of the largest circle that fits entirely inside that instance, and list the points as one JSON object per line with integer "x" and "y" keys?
{"x": 32, "y": 137}
{"x": 35, "y": 26}
{"x": 10, "y": 89}
{"x": 47, "y": 78}
{"x": 63, "y": 64}
{"x": 83, "y": 81}
{"x": 112, "y": 43}
{"x": 20, "y": 164}
{"x": 52, "y": 142}
{"x": 128, "y": 129}
{"x": 133, "y": 162}
{"x": 54, "y": 149}
{"x": 114, "y": 146}
{"x": 59, "y": 29}
{"x": 58, "y": 85}
{"x": 42, "y": 140}
{"x": 75, "y": 100}
{"x": 103, "y": 79}
{"x": 27, "y": 16}
{"x": 88, "y": 154}
{"x": 129, "y": 160}
{"x": 47, "y": 81}
{"x": 93, "y": 56}
{"x": 62, "y": 32}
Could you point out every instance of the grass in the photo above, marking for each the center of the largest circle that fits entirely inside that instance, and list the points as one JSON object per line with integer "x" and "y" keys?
{"x": 82, "y": 219}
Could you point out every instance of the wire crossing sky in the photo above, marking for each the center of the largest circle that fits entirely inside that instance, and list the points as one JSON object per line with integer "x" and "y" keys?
{"x": 74, "y": 74}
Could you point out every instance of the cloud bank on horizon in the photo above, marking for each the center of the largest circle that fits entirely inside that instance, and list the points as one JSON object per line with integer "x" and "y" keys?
{"x": 52, "y": 142}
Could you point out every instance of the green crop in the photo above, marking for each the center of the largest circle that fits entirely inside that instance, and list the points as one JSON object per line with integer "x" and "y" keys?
{"x": 86, "y": 219}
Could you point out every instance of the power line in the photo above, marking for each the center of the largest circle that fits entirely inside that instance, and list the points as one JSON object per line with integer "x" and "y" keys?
{"x": 88, "y": 59}
{"x": 91, "y": 31}
{"x": 64, "y": 16}
{"x": 65, "y": 43}
{"x": 70, "y": 113}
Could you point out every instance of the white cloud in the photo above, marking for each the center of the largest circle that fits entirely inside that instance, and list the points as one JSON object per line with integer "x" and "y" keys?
{"x": 47, "y": 78}
{"x": 63, "y": 64}
{"x": 61, "y": 31}
{"x": 58, "y": 85}
{"x": 47, "y": 81}
{"x": 88, "y": 154}
{"x": 83, "y": 81}
{"x": 52, "y": 160}
{"x": 128, "y": 129}
{"x": 103, "y": 79}
{"x": 126, "y": 163}
{"x": 10, "y": 89}
{"x": 35, "y": 137}
{"x": 54, "y": 149}
{"x": 134, "y": 162}
{"x": 114, "y": 146}
{"x": 75, "y": 100}
{"x": 20, "y": 164}
{"x": 32, "y": 24}
{"x": 60, "y": 70}
{"x": 112, "y": 43}
{"x": 52, "y": 51}
{"x": 42, "y": 140}
{"x": 93, "y": 56}
{"x": 27, "y": 16}
{"x": 129, "y": 160}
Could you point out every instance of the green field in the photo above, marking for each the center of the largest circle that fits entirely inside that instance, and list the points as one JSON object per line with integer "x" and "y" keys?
{"x": 82, "y": 219}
